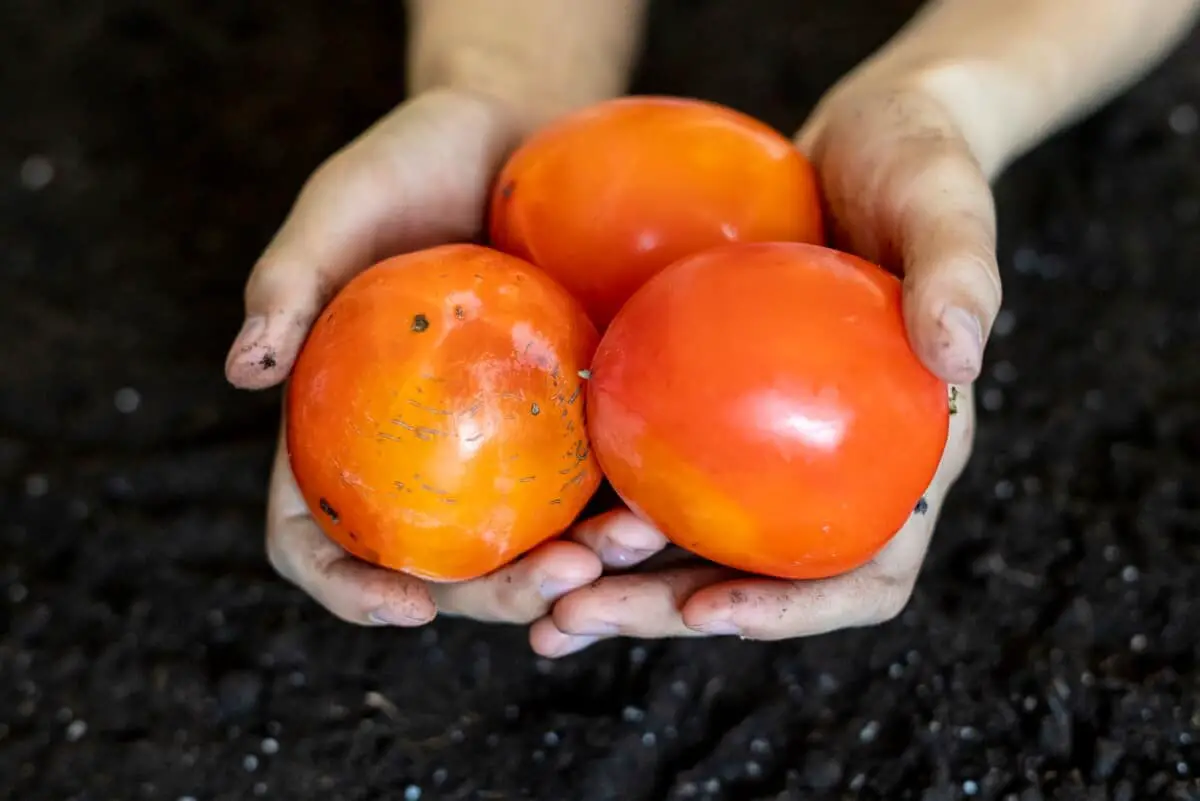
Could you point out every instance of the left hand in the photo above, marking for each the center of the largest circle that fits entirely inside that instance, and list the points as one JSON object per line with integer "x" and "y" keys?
{"x": 904, "y": 190}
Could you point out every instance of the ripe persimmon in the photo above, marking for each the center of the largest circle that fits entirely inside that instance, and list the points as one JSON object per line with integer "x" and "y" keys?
{"x": 762, "y": 406}
{"x": 605, "y": 197}
{"x": 435, "y": 414}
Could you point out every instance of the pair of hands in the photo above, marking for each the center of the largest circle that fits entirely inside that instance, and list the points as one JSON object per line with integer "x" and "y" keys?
{"x": 903, "y": 189}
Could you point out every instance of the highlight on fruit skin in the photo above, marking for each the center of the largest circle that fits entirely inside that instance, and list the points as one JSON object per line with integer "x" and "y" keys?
{"x": 434, "y": 417}
{"x": 605, "y": 197}
{"x": 762, "y": 406}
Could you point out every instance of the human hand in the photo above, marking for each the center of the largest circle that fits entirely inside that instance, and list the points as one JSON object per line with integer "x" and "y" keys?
{"x": 904, "y": 190}
{"x": 417, "y": 178}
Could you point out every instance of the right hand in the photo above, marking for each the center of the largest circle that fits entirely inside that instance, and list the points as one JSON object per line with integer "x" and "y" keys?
{"x": 418, "y": 178}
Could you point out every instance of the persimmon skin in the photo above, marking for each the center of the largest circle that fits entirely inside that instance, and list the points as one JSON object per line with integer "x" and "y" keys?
{"x": 435, "y": 413}
{"x": 762, "y": 406}
{"x": 605, "y": 197}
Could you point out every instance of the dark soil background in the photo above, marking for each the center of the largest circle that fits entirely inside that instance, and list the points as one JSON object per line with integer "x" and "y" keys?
{"x": 147, "y": 150}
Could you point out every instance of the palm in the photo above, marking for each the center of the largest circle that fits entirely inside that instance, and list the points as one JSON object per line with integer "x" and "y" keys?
{"x": 418, "y": 178}
{"x": 904, "y": 190}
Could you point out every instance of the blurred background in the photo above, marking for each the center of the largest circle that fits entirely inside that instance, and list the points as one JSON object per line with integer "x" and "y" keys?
{"x": 147, "y": 651}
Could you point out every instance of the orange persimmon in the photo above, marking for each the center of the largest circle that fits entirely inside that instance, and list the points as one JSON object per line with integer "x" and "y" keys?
{"x": 605, "y": 197}
{"x": 435, "y": 414}
{"x": 762, "y": 406}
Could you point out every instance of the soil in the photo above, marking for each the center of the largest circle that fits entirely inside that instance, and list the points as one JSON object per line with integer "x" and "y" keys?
{"x": 147, "y": 651}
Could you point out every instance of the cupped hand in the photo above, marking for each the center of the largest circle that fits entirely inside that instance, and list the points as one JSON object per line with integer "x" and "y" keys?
{"x": 418, "y": 178}
{"x": 904, "y": 190}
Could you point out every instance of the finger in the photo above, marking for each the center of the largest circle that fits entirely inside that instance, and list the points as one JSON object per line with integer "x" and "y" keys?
{"x": 415, "y": 179}
{"x": 905, "y": 190}
{"x": 547, "y": 640}
{"x": 947, "y": 233}
{"x": 619, "y": 537}
{"x": 635, "y": 605}
{"x": 352, "y": 590}
{"x": 524, "y": 590}
{"x": 775, "y": 609}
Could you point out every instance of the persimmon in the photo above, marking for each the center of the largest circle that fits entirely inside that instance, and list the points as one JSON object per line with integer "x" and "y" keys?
{"x": 605, "y": 197}
{"x": 435, "y": 413}
{"x": 762, "y": 406}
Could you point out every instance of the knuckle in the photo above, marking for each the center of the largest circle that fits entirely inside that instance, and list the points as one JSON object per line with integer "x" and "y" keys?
{"x": 569, "y": 614}
{"x": 500, "y": 602}
{"x": 515, "y": 603}
{"x": 333, "y": 170}
{"x": 341, "y": 175}
{"x": 319, "y": 581}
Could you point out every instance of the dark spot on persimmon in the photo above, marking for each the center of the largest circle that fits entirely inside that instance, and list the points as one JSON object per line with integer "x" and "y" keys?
{"x": 506, "y": 191}
{"x": 420, "y": 324}
{"x": 268, "y": 360}
{"x": 354, "y": 536}
{"x": 535, "y": 410}
{"x": 460, "y": 313}
{"x": 329, "y": 511}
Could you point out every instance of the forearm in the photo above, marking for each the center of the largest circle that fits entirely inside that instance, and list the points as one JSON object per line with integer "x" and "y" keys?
{"x": 1015, "y": 71}
{"x": 540, "y": 57}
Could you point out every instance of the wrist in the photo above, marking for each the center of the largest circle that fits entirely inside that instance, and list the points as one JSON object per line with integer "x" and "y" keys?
{"x": 538, "y": 58}
{"x": 1012, "y": 72}
{"x": 987, "y": 104}
{"x": 528, "y": 93}
{"x": 975, "y": 100}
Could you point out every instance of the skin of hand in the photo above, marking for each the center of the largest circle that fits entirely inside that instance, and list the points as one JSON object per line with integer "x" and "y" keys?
{"x": 904, "y": 190}
{"x": 482, "y": 74}
{"x": 905, "y": 146}
{"x": 417, "y": 178}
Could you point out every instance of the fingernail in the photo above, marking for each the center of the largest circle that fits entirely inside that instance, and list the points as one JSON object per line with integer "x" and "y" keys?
{"x": 576, "y": 644}
{"x": 964, "y": 346}
{"x": 617, "y": 556}
{"x": 391, "y": 617}
{"x": 719, "y": 627}
{"x": 632, "y": 532}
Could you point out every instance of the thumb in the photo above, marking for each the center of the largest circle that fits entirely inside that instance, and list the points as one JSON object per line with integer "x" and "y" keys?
{"x": 904, "y": 190}
{"x": 946, "y": 237}
{"x": 419, "y": 177}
